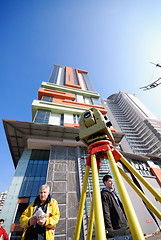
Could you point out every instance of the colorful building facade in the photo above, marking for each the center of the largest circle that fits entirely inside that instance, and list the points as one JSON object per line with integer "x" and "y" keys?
{"x": 46, "y": 151}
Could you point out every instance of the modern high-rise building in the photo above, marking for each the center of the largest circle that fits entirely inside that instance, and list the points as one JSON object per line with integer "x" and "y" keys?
{"x": 141, "y": 127}
{"x": 2, "y": 199}
{"x": 141, "y": 145}
{"x": 45, "y": 151}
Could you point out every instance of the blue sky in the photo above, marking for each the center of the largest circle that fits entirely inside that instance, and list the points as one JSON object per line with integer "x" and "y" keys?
{"x": 114, "y": 41}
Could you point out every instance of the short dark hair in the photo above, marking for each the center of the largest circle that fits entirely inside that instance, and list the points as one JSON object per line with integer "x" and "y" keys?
{"x": 1, "y": 220}
{"x": 106, "y": 177}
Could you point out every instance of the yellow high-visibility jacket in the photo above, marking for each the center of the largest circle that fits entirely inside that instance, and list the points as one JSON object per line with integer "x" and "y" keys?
{"x": 52, "y": 218}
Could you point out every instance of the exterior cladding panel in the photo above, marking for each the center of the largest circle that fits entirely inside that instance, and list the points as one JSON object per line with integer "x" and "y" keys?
{"x": 55, "y": 94}
{"x": 69, "y": 78}
{"x": 157, "y": 173}
{"x": 81, "y": 105}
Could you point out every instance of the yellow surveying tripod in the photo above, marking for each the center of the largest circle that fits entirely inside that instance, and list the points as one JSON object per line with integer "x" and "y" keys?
{"x": 95, "y": 133}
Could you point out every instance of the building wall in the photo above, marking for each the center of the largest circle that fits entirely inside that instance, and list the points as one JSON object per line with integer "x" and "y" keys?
{"x": 63, "y": 179}
{"x": 146, "y": 221}
{"x": 2, "y": 199}
{"x": 9, "y": 209}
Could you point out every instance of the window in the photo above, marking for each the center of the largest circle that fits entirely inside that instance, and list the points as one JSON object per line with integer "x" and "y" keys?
{"x": 54, "y": 75}
{"x": 88, "y": 82}
{"x": 75, "y": 77}
{"x": 62, "y": 120}
{"x": 47, "y": 99}
{"x": 35, "y": 174}
{"x": 42, "y": 116}
{"x": 142, "y": 167}
{"x": 76, "y": 119}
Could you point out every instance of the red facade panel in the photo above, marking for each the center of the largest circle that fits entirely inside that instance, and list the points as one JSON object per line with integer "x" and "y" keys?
{"x": 157, "y": 173}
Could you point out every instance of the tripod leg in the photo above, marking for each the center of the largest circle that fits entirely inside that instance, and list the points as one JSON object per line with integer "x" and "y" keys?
{"x": 134, "y": 225}
{"x": 90, "y": 223}
{"x": 81, "y": 205}
{"x": 98, "y": 212}
{"x": 91, "y": 220}
{"x": 139, "y": 192}
{"x": 145, "y": 183}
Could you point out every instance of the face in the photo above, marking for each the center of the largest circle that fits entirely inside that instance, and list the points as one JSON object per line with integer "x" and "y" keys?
{"x": 109, "y": 184}
{"x": 1, "y": 224}
{"x": 44, "y": 195}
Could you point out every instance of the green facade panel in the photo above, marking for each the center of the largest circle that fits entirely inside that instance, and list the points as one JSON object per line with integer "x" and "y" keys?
{"x": 61, "y": 88}
{"x": 55, "y": 108}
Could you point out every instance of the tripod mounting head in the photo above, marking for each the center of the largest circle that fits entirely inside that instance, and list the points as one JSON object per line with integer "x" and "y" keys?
{"x": 93, "y": 127}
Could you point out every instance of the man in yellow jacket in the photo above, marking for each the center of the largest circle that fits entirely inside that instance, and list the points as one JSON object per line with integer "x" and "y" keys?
{"x": 40, "y": 217}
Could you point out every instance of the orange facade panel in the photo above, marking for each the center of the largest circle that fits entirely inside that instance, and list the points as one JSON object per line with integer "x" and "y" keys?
{"x": 69, "y": 78}
{"x": 157, "y": 173}
{"x": 71, "y": 125}
{"x": 79, "y": 71}
{"x": 77, "y": 104}
{"x": 55, "y": 94}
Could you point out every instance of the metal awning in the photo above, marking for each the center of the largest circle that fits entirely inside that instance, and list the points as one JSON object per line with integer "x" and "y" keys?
{"x": 18, "y": 132}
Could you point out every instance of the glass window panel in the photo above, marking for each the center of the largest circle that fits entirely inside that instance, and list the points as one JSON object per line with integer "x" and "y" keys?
{"x": 47, "y": 99}
{"x": 42, "y": 116}
{"x": 35, "y": 162}
{"x": 43, "y": 179}
{"x": 44, "y": 170}
{"x": 33, "y": 170}
{"x": 40, "y": 162}
{"x": 29, "y": 188}
{"x": 36, "y": 173}
{"x": 23, "y": 189}
{"x": 29, "y": 169}
{"x": 35, "y": 189}
{"x": 38, "y": 170}
{"x": 54, "y": 75}
{"x": 88, "y": 82}
{"x": 75, "y": 77}
{"x": 62, "y": 120}
{"x": 74, "y": 118}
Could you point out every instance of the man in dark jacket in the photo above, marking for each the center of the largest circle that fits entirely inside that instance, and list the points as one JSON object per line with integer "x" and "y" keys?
{"x": 114, "y": 216}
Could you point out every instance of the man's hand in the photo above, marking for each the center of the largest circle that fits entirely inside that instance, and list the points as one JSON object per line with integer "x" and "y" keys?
{"x": 33, "y": 221}
{"x": 42, "y": 221}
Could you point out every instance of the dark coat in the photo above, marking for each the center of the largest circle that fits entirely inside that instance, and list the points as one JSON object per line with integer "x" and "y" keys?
{"x": 113, "y": 212}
